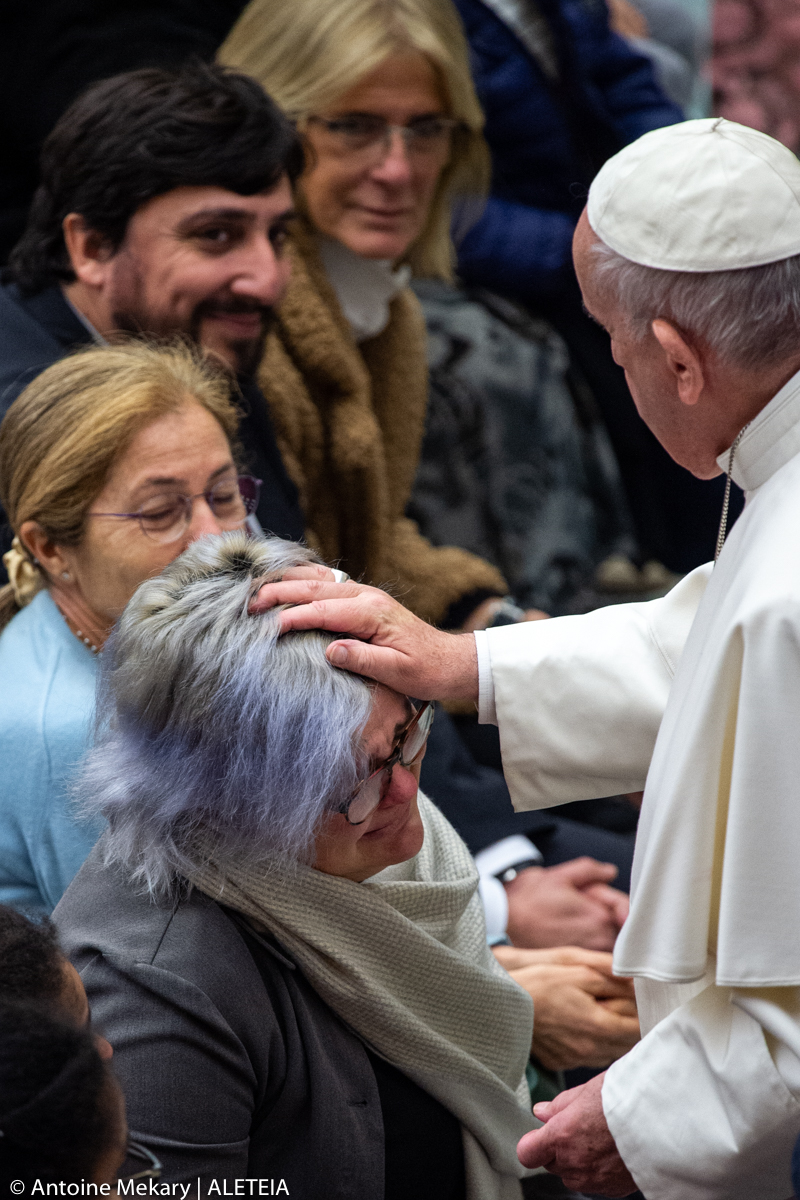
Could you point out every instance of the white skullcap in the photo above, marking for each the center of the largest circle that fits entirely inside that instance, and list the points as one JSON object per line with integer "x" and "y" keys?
{"x": 706, "y": 195}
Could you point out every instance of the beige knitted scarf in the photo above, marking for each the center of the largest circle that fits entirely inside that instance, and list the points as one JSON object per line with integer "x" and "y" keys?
{"x": 402, "y": 959}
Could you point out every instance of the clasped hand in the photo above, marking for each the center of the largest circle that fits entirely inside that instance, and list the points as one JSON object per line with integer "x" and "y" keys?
{"x": 584, "y": 1015}
{"x": 576, "y": 1143}
{"x": 571, "y": 904}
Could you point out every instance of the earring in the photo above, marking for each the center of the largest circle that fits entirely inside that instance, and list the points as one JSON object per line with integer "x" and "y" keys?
{"x": 66, "y": 575}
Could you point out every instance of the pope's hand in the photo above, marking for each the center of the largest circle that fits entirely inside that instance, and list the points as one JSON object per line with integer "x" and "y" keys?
{"x": 395, "y": 647}
{"x": 576, "y": 1143}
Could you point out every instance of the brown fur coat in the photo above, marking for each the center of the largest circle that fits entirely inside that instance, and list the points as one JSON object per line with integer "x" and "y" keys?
{"x": 349, "y": 420}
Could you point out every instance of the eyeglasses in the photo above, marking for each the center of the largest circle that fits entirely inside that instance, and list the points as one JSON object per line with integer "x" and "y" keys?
{"x": 140, "y": 1153}
{"x": 364, "y": 133}
{"x": 407, "y": 750}
{"x": 166, "y": 518}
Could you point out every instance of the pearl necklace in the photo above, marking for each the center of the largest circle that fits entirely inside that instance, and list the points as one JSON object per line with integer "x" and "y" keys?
{"x": 75, "y": 611}
{"x": 79, "y": 633}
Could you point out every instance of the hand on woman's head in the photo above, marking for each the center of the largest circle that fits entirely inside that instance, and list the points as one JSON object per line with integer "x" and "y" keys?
{"x": 395, "y": 647}
{"x": 375, "y": 199}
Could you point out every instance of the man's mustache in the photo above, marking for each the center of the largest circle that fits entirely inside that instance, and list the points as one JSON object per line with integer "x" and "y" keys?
{"x": 210, "y": 308}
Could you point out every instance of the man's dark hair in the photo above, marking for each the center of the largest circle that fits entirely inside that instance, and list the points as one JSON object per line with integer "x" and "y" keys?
{"x": 31, "y": 962}
{"x": 139, "y": 135}
{"x": 56, "y": 1114}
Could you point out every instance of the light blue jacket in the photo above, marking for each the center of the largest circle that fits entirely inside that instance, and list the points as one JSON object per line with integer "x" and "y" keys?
{"x": 47, "y": 697}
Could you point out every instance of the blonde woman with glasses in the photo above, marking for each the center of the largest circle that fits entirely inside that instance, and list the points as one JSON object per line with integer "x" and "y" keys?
{"x": 112, "y": 462}
{"x": 383, "y": 97}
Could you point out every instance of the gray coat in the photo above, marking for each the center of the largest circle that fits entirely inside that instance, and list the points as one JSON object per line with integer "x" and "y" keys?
{"x": 232, "y": 1066}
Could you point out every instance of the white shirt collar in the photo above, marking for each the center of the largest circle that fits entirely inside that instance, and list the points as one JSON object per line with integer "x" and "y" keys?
{"x": 770, "y": 441}
{"x": 364, "y": 287}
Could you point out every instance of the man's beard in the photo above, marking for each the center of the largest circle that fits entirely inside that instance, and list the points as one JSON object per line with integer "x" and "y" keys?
{"x": 245, "y": 353}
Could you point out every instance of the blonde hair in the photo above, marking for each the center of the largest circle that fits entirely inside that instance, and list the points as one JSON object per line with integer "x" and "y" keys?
{"x": 62, "y": 435}
{"x": 307, "y": 53}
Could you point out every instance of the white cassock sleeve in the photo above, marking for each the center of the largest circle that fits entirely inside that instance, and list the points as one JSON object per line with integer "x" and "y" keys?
{"x": 579, "y": 700}
{"x": 707, "y": 1105}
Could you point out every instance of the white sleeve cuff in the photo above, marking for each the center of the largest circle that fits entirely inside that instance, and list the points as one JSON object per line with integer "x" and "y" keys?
{"x": 699, "y": 1109}
{"x": 506, "y": 853}
{"x": 495, "y": 906}
{"x": 490, "y": 862}
{"x": 487, "y": 713}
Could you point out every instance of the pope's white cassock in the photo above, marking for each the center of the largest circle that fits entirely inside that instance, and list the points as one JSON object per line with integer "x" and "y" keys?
{"x": 698, "y": 694}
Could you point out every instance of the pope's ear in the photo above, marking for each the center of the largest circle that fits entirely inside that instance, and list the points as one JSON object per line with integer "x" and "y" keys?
{"x": 682, "y": 360}
{"x": 89, "y": 251}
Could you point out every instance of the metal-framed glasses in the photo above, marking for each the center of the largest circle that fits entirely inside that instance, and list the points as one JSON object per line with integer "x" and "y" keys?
{"x": 367, "y": 134}
{"x": 408, "y": 748}
{"x": 166, "y": 517}
{"x": 139, "y": 1153}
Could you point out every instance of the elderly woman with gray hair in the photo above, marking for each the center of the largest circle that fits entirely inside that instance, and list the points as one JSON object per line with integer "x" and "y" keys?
{"x": 279, "y": 934}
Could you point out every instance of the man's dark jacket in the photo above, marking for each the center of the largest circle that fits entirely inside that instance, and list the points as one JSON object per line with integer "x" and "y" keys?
{"x": 36, "y": 331}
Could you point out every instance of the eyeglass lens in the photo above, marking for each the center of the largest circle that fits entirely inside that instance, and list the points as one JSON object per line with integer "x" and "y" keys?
{"x": 374, "y": 789}
{"x": 362, "y": 131}
{"x": 164, "y": 518}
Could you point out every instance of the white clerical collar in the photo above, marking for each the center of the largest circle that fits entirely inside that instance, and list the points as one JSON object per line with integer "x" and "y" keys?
{"x": 770, "y": 440}
{"x": 364, "y": 287}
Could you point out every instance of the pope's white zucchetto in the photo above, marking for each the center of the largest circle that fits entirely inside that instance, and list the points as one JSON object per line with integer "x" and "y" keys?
{"x": 707, "y": 195}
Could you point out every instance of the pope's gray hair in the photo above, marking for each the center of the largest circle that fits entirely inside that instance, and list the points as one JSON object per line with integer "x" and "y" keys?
{"x": 750, "y": 318}
{"x": 213, "y": 722}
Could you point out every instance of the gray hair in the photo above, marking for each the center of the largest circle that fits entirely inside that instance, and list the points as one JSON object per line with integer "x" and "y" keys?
{"x": 750, "y": 318}
{"x": 213, "y": 721}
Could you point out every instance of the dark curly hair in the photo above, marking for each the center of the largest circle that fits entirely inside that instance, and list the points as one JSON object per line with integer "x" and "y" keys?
{"x": 139, "y": 135}
{"x": 57, "y": 1117}
{"x": 31, "y": 962}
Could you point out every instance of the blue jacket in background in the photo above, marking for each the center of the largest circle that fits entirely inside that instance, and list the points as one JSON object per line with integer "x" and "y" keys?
{"x": 548, "y": 139}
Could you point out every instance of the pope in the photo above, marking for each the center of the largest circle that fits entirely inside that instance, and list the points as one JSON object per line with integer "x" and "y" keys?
{"x": 688, "y": 253}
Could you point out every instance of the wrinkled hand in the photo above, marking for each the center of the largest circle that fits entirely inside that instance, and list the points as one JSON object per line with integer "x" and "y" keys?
{"x": 582, "y": 1015}
{"x": 395, "y": 647}
{"x": 576, "y": 1144}
{"x": 567, "y": 905}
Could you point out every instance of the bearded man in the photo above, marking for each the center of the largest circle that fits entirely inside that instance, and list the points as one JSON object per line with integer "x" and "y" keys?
{"x": 689, "y": 254}
{"x": 163, "y": 208}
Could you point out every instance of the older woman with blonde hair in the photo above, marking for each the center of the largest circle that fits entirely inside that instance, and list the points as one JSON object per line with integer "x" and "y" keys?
{"x": 382, "y": 94}
{"x": 111, "y": 462}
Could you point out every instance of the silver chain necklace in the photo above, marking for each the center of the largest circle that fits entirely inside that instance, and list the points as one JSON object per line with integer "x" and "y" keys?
{"x": 723, "y": 524}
